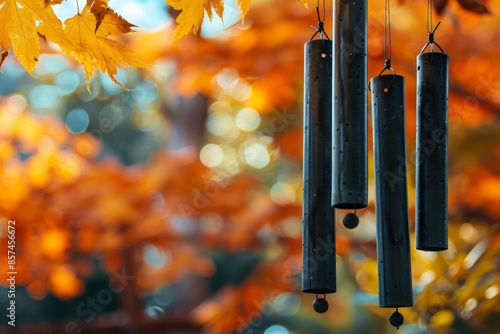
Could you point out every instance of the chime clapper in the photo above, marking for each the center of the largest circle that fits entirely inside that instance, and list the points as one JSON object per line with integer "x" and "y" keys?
{"x": 320, "y": 304}
{"x": 350, "y": 220}
{"x": 396, "y": 319}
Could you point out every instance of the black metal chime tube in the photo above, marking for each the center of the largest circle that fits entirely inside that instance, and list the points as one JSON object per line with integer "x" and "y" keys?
{"x": 391, "y": 200}
{"x": 350, "y": 184}
{"x": 431, "y": 223}
{"x": 318, "y": 248}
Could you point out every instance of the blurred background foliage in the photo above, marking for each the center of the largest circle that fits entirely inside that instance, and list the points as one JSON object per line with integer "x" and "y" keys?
{"x": 189, "y": 183}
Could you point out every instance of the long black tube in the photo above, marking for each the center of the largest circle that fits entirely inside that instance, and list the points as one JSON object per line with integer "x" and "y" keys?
{"x": 431, "y": 221}
{"x": 318, "y": 227}
{"x": 391, "y": 199}
{"x": 350, "y": 183}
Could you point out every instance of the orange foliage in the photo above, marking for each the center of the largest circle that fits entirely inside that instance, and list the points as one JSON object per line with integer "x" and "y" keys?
{"x": 64, "y": 283}
{"x": 483, "y": 200}
{"x": 236, "y": 307}
{"x": 104, "y": 208}
{"x": 100, "y": 208}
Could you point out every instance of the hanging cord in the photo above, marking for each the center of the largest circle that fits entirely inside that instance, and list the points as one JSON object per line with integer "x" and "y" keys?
{"x": 387, "y": 39}
{"x": 321, "y": 24}
{"x": 430, "y": 30}
{"x": 429, "y": 16}
{"x": 387, "y": 34}
{"x": 387, "y": 46}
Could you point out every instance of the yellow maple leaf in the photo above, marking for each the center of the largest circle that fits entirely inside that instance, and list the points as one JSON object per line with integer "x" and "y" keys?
{"x": 190, "y": 17}
{"x": 22, "y": 21}
{"x": 218, "y": 5}
{"x": 18, "y": 31}
{"x": 99, "y": 8}
{"x": 98, "y": 50}
{"x": 192, "y": 13}
{"x": 244, "y": 7}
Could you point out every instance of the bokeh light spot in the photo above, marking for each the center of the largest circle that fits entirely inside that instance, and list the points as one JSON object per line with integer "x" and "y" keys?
{"x": 468, "y": 232}
{"x": 77, "y": 121}
{"x": 276, "y": 329}
{"x": 16, "y": 104}
{"x": 491, "y": 292}
{"x": 231, "y": 162}
{"x": 67, "y": 82}
{"x": 145, "y": 93}
{"x": 241, "y": 91}
{"x": 44, "y": 96}
{"x": 227, "y": 77}
{"x": 211, "y": 155}
{"x": 257, "y": 156}
{"x": 219, "y": 123}
{"x": 287, "y": 304}
{"x": 155, "y": 256}
{"x": 248, "y": 119}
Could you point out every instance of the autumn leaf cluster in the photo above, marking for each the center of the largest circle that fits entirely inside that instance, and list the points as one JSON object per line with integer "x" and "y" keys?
{"x": 192, "y": 13}
{"x": 89, "y": 36}
{"x": 72, "y": 208}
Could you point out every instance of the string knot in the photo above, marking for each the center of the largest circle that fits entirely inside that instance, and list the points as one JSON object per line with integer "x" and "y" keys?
{"x": 387, "y": 64}
{"x": 320, "y": 29}
{"x": 430, "y": 38}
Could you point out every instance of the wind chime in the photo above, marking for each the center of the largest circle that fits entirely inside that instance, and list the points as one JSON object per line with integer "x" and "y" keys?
{"x": 350, "y": 184}
{"x": 318, "y": 247}
{"x": 335, "y": 153}
{"x": 431, "y": 221}
{"x": 391, "y": 201}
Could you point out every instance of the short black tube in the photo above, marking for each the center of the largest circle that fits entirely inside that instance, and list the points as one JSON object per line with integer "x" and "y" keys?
{"x": 391, "y": 199}
{"x": 350, "y": 171}
{"x": 318, "y": 228}
{"x": 431, "y": 221}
